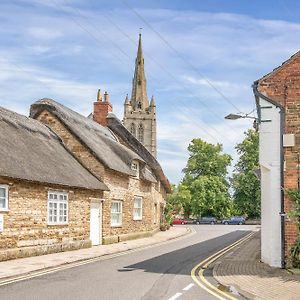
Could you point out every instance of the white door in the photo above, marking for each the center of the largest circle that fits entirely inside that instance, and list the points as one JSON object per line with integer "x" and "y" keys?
{"x": 95, "y": 224}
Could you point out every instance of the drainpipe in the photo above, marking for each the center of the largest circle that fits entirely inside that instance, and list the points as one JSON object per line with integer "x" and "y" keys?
{"x": 258, "y": 95}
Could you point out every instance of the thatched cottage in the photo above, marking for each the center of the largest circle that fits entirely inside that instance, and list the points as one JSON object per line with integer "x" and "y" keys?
{"x": 46, "y": 195}
{"x": 133, "y": 206}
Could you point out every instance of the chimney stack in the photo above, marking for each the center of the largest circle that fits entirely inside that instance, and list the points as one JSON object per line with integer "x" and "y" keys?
{"x": 101, "y": 109}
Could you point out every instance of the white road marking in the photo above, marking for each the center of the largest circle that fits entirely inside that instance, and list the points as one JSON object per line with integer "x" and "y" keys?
{"x": 175, "y": 296}
{"x": 188, "y": 287}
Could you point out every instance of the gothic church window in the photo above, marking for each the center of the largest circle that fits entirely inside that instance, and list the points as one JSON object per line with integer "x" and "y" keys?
{"x": 141, "y": 133}
{"x": 133, "y": 129}
{"x": 139, "y": 105}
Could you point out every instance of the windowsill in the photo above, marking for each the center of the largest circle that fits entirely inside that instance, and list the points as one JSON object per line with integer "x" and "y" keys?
{"x": 116, "y": 225}
{"x": 57, "y": 224}
{"x": 4, "y": 210}
{"x": 138, "y": 219}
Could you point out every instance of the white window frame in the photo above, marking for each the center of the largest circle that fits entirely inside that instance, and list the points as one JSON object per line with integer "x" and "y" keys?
{"x": 137, "y": 209}
{"x": 119, "y": 213}
{"x": 54, "y": 203}
{"x": 136, "y": 168}
{"x": 6, "y": 207}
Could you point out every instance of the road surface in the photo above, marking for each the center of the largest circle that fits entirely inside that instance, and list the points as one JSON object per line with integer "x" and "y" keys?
{"x": 158, "y": 272}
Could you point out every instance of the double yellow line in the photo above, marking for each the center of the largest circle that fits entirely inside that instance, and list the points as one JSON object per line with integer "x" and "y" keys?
{"x": 198, "y": 270}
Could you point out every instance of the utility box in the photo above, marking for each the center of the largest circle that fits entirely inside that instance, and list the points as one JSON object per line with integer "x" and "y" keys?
{"x": 289, "y": 140}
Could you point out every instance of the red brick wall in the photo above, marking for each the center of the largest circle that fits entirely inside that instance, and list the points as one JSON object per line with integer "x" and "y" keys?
{"x": 283, "y": 86}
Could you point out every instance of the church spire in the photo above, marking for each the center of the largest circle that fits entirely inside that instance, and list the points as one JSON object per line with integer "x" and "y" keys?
{"x": 139, "y": 99}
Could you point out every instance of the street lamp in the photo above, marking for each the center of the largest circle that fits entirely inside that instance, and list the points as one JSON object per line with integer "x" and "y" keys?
{"x": 237, "y": 116}
{"x": 246, "y": 116}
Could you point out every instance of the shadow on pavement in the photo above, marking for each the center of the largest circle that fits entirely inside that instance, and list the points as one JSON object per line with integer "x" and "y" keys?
{"x": 181, "y": 261}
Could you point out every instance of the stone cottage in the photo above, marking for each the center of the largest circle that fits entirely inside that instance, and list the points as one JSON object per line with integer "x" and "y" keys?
{"x": 133, "y": 206}
{"x": 278, "y": 103}
{"x": 46, "y": 195}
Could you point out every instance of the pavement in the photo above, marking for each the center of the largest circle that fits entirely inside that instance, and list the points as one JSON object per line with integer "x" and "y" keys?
{"x": 22, "y": 266}
{"x": 242, "y": 270}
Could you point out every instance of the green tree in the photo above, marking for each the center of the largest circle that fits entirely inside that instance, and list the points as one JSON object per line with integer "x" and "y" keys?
{"x": 205, "y": 177}
{"x": 210, "y": 197}
{"x": 180, "y": 200}
{"x": 245, "y": 183}
{"x": 206, "y": 160}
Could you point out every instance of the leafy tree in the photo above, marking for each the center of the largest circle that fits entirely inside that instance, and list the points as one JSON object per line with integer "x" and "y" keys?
{"x": 245, "y": 183}
{"x": 205, "y": 177}
{"x": 180, "y": 200}
{"x": 206, "y": 160}
{"x": 210, "y": 197}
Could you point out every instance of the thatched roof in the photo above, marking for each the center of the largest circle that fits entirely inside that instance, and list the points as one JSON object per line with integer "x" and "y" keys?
{"x": 121, "y": 131}
{"x": 31, "y": 151}
{"x": 98, "y": 139}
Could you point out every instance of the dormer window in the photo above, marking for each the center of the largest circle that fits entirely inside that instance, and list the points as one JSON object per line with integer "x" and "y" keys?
{"x": 135, "y": 168}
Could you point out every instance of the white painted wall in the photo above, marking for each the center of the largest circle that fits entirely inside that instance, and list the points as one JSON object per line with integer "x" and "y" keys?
{"x": 269, "y": 158}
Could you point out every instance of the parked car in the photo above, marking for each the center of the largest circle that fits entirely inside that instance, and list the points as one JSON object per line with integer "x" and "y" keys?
{"x": 179, "y": 221}
{"x": 234, "y": 221}
{"x": 206, "y": 220}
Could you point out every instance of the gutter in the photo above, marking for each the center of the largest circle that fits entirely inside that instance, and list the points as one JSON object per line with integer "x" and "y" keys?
{"x": 258, "y": 95}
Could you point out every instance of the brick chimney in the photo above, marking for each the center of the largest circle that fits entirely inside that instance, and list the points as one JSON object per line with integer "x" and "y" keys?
{"x": 101, "y": 109}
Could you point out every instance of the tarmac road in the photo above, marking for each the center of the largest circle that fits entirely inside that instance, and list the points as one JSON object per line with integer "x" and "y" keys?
{"x": 159, "y": 272}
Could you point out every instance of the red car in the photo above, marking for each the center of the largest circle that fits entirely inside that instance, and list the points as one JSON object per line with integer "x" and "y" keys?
{"x": 179, "y": 221}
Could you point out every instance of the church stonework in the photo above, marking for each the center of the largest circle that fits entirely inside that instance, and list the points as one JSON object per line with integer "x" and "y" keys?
{"x": 139, "y": 115}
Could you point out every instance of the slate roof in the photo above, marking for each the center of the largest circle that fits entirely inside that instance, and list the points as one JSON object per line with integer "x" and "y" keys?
{"x": 31, "y": 151}
{"x": 98, "y": 139}
{"x": 120, "y": 130}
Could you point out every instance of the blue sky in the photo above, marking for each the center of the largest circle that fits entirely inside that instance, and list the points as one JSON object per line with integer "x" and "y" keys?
{"x": 66, "y": 50}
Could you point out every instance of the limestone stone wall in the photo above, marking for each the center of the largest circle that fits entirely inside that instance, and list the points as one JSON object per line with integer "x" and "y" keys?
{"x": 26, "y": 231}
{"x": 125, "y": 188}
{"x": 73, "y": 144}
{"x": 122, "y": 187}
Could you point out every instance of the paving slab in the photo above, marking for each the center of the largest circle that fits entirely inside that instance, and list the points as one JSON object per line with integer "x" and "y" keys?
{"x": 242, "y": 269}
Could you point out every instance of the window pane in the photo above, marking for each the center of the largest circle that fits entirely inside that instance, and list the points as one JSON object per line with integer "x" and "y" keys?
{"x": 2, "y": 193}
{"x": 61, "y": 197}
{"x": 115, "y": 207}
{"x": 2, "y": 202}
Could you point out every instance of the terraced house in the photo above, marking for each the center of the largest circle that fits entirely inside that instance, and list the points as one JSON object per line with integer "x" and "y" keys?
{"x": 133, "y": 206}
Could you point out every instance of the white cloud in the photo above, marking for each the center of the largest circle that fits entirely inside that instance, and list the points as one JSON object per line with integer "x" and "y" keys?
{"x": 44, "y": 33}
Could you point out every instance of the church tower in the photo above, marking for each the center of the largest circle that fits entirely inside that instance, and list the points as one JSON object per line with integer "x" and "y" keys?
{"x": 139, "y": 115}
